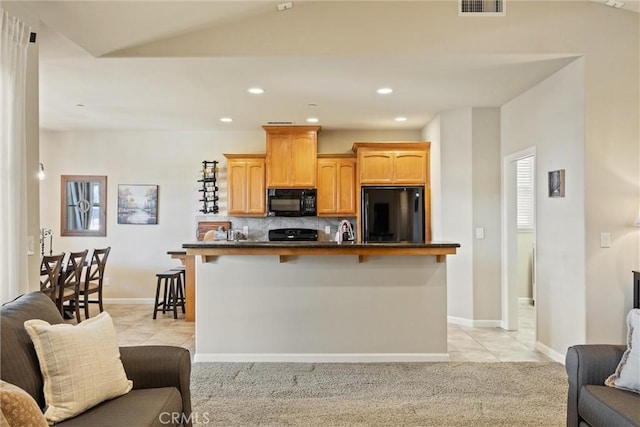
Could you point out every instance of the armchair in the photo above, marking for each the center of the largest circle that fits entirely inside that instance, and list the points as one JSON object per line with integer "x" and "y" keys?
{"x": 160, "y": 374}
{"x": 590, "y": 402}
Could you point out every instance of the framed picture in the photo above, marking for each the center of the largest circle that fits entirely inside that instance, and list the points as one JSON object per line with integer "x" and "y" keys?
{"x": 137, "y": 204}
{"x": 556, "y": 183}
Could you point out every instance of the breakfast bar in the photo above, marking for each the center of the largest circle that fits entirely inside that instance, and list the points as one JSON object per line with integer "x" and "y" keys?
{"x": 318, "y": 301}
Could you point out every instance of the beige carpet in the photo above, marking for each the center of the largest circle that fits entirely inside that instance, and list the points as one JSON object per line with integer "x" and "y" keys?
{"x": 384, "y": 394}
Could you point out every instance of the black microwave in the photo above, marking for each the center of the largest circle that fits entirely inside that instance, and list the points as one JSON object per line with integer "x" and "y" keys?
{"x": 291, "y": 202}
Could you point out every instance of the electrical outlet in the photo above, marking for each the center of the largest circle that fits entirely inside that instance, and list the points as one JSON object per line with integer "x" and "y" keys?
{"x": 327, "y": 229}
{"x": 106, "y": 281}
{"x": 30, "y": 247}
{"x": 245, "y": 230}
{"x": 605, "y": 240}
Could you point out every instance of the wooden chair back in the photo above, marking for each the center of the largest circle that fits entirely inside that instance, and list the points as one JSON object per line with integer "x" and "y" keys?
{"x": 95, "y": 269}
{"x": 69, "y": 290}
{"x": 50, "y": 273}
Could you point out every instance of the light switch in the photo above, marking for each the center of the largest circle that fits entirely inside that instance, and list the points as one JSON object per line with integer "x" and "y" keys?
{"x": 245, "y": 230}
{"x": 327, "y": 229}
{"x": 605, "y": 240}
{"x": 480, "y": 233}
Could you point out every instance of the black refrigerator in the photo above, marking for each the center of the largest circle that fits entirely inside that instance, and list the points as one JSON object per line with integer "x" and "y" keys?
{"x": 392, "y": 214}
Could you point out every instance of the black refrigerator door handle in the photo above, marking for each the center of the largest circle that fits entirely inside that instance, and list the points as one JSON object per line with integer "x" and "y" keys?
{"x": 365, "y": 218}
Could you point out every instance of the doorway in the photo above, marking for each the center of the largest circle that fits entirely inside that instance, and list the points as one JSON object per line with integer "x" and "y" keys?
{"x": 518, "y": 248}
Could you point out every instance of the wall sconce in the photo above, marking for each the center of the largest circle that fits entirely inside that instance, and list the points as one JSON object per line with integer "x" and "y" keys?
{"x": 41, "y": 172}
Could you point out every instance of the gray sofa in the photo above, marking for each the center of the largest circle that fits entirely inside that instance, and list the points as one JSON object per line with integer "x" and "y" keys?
{"x": 160, "y": 374}
{"x": 590, "y": 402}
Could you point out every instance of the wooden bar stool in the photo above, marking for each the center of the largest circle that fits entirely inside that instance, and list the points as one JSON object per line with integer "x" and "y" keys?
{"x": 169, "y": 281}
{"x": 181, "y": 286}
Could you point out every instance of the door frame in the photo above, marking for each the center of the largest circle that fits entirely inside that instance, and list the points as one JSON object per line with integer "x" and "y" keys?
{"x": 509, "y": 263}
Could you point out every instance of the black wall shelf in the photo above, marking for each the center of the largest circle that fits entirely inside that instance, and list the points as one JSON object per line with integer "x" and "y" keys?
{"x": 209, "y": 189}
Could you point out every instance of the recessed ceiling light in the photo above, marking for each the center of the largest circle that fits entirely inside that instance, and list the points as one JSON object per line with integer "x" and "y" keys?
{"x": 312, "y": 120}
{"x": 256, "y": 90}
{"x": 400, "y": 119}
{"x": 226, "y": 119}
{"x": 384, "y": 90}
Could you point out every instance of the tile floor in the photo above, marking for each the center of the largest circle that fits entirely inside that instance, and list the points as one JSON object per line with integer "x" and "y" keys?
{"x": 135, "y": 326}
{"x": 468, "y": 344}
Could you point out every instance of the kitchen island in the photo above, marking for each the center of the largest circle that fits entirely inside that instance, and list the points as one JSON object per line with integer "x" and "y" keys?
{"x": 318, "y": 301}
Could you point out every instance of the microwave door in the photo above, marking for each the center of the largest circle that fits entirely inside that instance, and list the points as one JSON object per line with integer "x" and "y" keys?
{"x": 285, "y": 206}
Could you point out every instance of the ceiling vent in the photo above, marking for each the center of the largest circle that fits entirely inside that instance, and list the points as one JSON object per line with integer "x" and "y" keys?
{"x": 481, "y": 7}
{"x": 280, "y": 123}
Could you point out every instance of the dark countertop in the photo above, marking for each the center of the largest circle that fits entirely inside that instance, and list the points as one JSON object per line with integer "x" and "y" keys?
{"x": 245, "y": 244}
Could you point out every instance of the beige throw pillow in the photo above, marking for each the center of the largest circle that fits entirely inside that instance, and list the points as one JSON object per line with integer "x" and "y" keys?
{"x": 627, "y": 374}
{"x": 18, "y": 408}
{"x": 80, "y": 365}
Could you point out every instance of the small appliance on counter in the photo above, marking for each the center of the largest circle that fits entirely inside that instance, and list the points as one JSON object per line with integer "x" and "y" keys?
{"x": 345, "y": 232}
{"x": 293, "y": 235}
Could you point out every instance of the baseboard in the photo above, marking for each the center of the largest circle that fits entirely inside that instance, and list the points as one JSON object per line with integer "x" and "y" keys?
{"x": 550, "y": 353}
{"x": 322, "y": 358}
{"x": 472, "y": 323}
{"x": 128, "y": 301}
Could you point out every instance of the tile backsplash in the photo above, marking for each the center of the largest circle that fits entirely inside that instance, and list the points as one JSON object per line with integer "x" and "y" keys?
{"x": 259, "y": 227}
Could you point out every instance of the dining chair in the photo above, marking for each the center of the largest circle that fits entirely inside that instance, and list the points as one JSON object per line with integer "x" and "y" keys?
{"x": 50, "y": 267}
{"x": 69, "y": 289}
{"x": 93, "y": 280}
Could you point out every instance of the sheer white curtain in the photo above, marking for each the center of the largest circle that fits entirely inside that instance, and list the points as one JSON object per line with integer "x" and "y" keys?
{"x": 14, "y": 40}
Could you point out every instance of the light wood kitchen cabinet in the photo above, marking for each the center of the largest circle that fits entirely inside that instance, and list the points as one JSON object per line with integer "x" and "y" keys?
{"x": 292, "y": 156}
{"x": 246, "y": 185}
{"x": 336, "y": 185}
{"x": 393, "y": 163}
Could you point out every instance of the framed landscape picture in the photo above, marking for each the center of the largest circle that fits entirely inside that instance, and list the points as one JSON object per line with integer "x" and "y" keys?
{"x": 137, "y": 204}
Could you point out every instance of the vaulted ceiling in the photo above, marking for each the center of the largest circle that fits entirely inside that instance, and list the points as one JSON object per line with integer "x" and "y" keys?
{"x": 175, "y": 65}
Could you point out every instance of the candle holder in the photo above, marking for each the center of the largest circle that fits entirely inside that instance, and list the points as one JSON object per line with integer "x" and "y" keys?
{"x": 44, "y": 233}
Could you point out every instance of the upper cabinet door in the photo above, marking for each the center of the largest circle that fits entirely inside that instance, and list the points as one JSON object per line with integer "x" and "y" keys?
{"x": 236, "y": 186}
{"x": 388, "y": 165}
{"x": 256, "y": 192}
{"x": 376, "y": 167}
{"x": 336, "y": 186}
{"x": 291, "y": 156}
{"x": 346, "y": 187}
{"x": 327, "y": 187}
{"x": 304, "y": 151}
{"x": 278, "y": 160}
{"x": 410, "y": 167}
{"x": 246, "y": 192}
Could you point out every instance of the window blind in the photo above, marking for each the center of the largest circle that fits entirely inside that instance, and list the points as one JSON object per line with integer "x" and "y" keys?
{"x": 525, "y": 189}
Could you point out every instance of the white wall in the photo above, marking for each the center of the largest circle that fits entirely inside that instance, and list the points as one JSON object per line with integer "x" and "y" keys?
{"x": 170, "y": 160}
{"x": 486, "y": 214}
{"x": 266, "y": 313}
{"x": 457, "y": 208}
{"x": 431, "y": 133}
{"x": 469, "y": 147}
{"x": 341, "y": 141}
{"x": 550, "y": 116}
